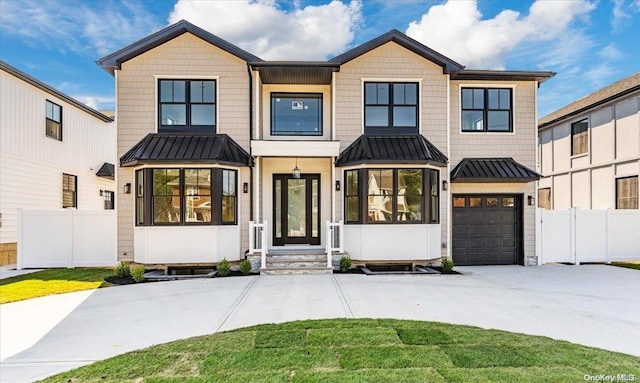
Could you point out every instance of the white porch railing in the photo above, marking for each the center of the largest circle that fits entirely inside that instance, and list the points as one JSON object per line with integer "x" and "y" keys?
{"x": 334, "y": 241}
{"x": 258, "y": 240}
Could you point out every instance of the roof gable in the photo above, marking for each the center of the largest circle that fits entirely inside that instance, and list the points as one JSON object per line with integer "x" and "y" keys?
{"x": 114, "y": 60}
{"x": 447, "y": 64}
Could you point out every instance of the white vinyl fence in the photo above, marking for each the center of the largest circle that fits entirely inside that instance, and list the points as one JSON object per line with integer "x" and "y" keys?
{"x": 66, "y": 238}
{"x": 578, "y": 236}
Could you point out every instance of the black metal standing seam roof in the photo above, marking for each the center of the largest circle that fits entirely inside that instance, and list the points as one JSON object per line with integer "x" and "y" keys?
{"x": 492, "y": 170}
{"x": 107, "y": 170}
{"x": 405, "y": 149}
{"x": 158, "y": 148}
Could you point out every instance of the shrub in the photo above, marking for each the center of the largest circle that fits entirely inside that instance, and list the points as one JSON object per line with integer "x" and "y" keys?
{"x": 345, "y": 263}
{"x": 223, "y": 268}
{"x": 123, "y": 270}
{"x": 245, "y": 267}
{"x": 447, "y": 264}
{"x": 137, "y": 273}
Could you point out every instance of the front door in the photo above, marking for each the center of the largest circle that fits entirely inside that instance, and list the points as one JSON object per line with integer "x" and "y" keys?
{"x": 296, "y": 209}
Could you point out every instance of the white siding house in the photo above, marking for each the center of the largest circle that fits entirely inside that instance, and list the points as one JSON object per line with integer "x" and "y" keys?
{"x": 51, "y": 149}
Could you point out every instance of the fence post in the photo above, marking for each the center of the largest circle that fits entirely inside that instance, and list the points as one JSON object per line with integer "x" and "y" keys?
{"x": 20, "y": 253}
{"x": 263, "y": 245}
{"x": 252, "y": 245}
{"x": 572, "y": 244}
{"x": 539, "y": 223}
{"x": 606, "y": 237}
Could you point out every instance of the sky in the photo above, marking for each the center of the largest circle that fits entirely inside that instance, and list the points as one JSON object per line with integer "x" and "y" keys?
{"x": 588, "y": 43}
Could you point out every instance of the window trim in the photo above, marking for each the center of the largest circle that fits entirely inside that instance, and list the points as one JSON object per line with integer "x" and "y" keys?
{"x": 75, "y": 191}
{"x": 319, "y": 96}
{"x": 47, "y": 101}
{"x": 207, "y": 129}
{"x": 637, "y": 191}
{"x": 513, "y": 88}
{"x": 588, "y": 134}
{"x": 389, "y": 129}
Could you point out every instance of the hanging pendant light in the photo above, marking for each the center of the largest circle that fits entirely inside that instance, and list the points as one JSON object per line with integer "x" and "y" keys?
{"x": 296, "y": 171}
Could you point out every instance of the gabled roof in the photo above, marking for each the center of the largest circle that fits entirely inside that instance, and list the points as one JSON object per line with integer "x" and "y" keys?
{"x": 114, "y": 60}
{"x": 107, "y": 170}
{"x": 48, "y": 89}
{"x": 609, "y": 93}
{"x": 492, "y": 170}
{"x": 160, "y": 148}
{"x": 448, "y": 65}
{"x": 404, "y": 149}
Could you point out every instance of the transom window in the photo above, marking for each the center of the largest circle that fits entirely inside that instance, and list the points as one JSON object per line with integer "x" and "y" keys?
{"x": 487, "y": 110}
{"x": 187, "y": 105}
{"x": 180, "y": 196}
{"x": 390, "y": 107}
{"x": 627, "y": 193}
{"x": 579, "y": 137}
{"x": 296, "y": 114}
{"x": 69, "y": 191}
{"x": 391, "y": 196}
{"x": 53, "y": 122}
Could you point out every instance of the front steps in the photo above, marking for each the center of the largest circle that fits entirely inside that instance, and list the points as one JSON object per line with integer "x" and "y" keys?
{"x": 296, "y": 261}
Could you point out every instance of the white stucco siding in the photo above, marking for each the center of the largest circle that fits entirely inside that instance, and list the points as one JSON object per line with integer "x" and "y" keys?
{"x": 31, "y": 164}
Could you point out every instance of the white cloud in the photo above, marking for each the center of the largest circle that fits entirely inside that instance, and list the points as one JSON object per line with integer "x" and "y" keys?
{"x": 76, "y": 26}
{"x": 610, "y": 52}
{"x": 261, "y": 27}
{"x": 457, "y": 29}
{"x": 97, "y": 102}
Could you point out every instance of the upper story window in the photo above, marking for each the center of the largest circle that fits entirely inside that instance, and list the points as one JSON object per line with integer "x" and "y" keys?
{"x": 627, "y": 193}
{"x": 390, "y": 107}
{"x": 487, "y": 110}
{"x": 69, "y": 190}
{"x": 187, "y": 106}
{"x": 296, "y": 114}
{"x": 579, "y": 137}
{"x": 53, "y": 124}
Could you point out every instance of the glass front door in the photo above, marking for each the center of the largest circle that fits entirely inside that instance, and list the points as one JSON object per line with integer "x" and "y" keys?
{"x": 296, "y": 207}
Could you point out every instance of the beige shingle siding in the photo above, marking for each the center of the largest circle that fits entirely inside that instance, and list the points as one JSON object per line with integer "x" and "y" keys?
{"x": 186, "y": 55}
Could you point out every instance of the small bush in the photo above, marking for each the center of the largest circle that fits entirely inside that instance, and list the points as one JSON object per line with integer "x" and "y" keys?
{"x": 345, "y": 263}
{"x": 245, "y": 267}
{"x": 447, "y": 264}
{"x": 223, "y": 268}
{"x": 123, "y": 270}
{"x": 137, "y": 273}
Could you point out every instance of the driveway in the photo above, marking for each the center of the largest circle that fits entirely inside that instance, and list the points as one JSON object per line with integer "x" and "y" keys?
{"x": 594, "y": 305}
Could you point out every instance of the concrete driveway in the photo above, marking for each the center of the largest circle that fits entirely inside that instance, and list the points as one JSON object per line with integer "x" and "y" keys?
{"x": 594, "y": 305}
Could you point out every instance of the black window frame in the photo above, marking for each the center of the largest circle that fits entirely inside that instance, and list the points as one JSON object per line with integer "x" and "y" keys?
{"x": 302, "y": 96}
{"x": 109, "y": 199}
{"x": 145, "y": 197}
{"x": 188, "y": 127}
{"x": 74, "y": 193}
{"x": 50, "y": 119}
{"x": 637, "y": 196}
{"x": 430, "y": 203}
{"x": 391, "y": 128}
{"x": 485, "y": 109}
{"x": 580, "y": 134}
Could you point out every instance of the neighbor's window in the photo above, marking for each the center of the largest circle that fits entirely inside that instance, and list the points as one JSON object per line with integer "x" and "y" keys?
{"x": 69, "y": 190}
{"x": 296, "y": 114}
{"x": 627, "y": 193}
{"x": 487, "y": 110}
{"x": 109, "y": 200}
{"x": 53, "y": 124}
{"x": 187, "y": 105}
{"x": 579, "y": 137}
{"x": 392, "y": 196}
{"x": 390, "y": 107}
{"x": 544, "y": 198}
{"x": 186, "y": 196}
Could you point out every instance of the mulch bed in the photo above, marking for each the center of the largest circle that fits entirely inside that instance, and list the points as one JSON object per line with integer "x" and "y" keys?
{"x": 115, "y": 280}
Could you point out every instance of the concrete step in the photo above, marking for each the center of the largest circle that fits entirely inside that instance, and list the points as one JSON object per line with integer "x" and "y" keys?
{"x": 305, "y": 263}
{"x": 296, "y": 257}
{"x": 296, "y": 270}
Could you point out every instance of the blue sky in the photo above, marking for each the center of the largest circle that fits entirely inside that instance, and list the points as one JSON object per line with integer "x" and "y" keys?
{"x": 590, "y": 44}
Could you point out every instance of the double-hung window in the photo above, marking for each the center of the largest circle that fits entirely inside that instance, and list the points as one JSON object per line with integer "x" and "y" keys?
{"x": 579, "y": 137}
{"x": 187, "y": 106}
{"x": 53, "y": 122}
{"x": 69, "y": 190}
{"x": 487, "y": 110}
{"x": 390, "y": 107}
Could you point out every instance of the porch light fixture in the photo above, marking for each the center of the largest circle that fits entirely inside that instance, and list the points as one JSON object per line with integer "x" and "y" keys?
{"x": 445, "y": 185}
{"x": 337, "y": 185}
{"x": 127, "y": 188}
{"x": 530, "y": 200}
{"x": 101, "y": 192}
{"x": 296, "y": 171}
{"x": 245, "y": 187}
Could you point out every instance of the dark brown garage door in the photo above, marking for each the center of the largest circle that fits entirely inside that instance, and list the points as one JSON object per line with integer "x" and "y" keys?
{"x": 487, "y": 229}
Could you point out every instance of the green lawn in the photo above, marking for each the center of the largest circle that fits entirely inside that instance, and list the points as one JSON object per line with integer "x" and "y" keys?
{"x": 627, "y": 265}
{"x": 51, "y": 281}
{"x": 358, "y": 350}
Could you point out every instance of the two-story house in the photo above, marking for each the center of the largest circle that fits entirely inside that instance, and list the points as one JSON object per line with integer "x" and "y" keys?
{"x": 418, "y": 157}
{"x": 589, "y": 150}
{"x": 55, "y": 153}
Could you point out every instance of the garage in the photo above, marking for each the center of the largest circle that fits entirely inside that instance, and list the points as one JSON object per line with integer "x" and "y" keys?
{"x": 487, "y": 229}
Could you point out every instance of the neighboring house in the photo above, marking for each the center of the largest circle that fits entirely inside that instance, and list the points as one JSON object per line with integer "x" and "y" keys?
{"x": 419, "y": 157}
{"x": 55, "y": 153}
{"x": 589, "y": 150}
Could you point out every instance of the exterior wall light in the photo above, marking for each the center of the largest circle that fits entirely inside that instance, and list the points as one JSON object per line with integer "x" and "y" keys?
{"x": 530, "y": 200}
{"x": 337, "y": 185}
{"x": 245, "y": 187}
{"x": 127, "y": 188}
{"x": 101, "y": 192}
{"x": 445, "y": 185}
{"x": 296, "y": 171}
